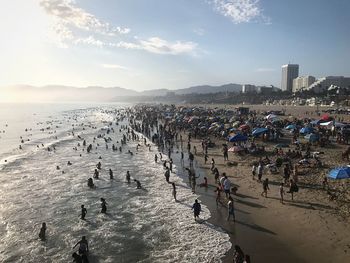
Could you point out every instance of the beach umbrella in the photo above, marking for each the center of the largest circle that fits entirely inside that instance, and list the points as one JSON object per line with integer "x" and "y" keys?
{"x": 311, "y": 137}
{"x": 259, "y": 131}
{"x": 339, "y": 173}
{"x": 290, "y": 127}
{"x": 325, "y": 117}
{"x": 238, "y": 138}
{"x": 270, "y": 117}
{"x": 235, "y": 149}
{"x": 306, "y": 130}
{"x": 315, "y": 122}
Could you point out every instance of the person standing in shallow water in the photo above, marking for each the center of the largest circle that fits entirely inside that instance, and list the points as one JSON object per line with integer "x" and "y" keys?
{"x": 103, "y": 206}
{"x": 83, "y": 212}
{"x": 128, "y": 177}
{"x": 42, "y": 233}
{"x": 83, "y": 246}
{"x": 196, "y": 209}
{"x": 110, "y": 174}
{"x": 231, "y": 209}
{"x": 174, "y": 191}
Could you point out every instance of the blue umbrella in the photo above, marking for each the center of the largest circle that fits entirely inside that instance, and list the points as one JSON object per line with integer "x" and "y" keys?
{"x": 311, "y": 137}
{"x": 238, "y": 138}
{"x": 290, "y": 127}
{"x": 306, "y": 130}
{"x": 259, "y": 131}
{"x": 339, "y": 173}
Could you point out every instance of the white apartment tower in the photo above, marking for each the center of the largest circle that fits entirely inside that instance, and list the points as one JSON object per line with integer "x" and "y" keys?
{"x": 302, "y": 83}
{"x": 289, "y": 72}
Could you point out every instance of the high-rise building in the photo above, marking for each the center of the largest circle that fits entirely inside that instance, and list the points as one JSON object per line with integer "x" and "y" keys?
{"x": 302, "y": 83}
{"x": 289, "y": 72}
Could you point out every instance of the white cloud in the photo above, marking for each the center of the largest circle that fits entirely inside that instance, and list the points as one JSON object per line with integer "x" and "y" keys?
{"x": 241, "y": 11}
{"x": 73, "y": 25}
{"x": 90, "y": 40}
{"x": 67, "y": 14}
{"x": 114, "y": 66}
{"x": 160, "y": 46}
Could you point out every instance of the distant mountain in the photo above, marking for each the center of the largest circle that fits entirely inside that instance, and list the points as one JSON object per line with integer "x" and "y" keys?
{"x": 205, "y": 89}
{"x": 155, "y": 92}
{"x": 59, "y": 93}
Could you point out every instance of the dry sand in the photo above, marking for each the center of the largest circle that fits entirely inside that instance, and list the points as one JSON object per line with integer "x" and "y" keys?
{"x": 309, "y": 229}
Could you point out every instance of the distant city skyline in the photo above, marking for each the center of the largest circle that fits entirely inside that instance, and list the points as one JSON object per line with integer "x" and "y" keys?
{"x": 154, "y": 44}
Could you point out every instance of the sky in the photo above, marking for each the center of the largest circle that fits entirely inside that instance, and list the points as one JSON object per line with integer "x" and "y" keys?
{"x": 173, "y": 44}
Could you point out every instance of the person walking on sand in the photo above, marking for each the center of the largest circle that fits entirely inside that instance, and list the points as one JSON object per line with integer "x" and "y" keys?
{"x": 212, "y": 164}
{"x": 254, "y": 171}
{"x": 196, "y": 209}
{"x": 293, "y": 188}
{"x": 205, "y": 158}
{"x": 265, "y": 187}
{"x": 238, "y": 255}
{"x": 231, "y": 209}
{"x": 260, "y": 171}
{"x": 281, "y": 190}
{"x": 174, "y": 191}
{"x": 227, "y": 186}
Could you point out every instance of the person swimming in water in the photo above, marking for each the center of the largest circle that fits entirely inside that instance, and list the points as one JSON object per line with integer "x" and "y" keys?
{"x": 42, "y": 233}
{"x": 83, "y": 246}
{"x": 103, "y": 206}
{"x": 83, "y": 212}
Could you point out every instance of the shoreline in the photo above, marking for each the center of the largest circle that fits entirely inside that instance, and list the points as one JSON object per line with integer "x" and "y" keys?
{"x": 308, "y": 229}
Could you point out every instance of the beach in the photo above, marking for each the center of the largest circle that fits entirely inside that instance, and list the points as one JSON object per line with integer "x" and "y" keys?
{"x": 51, "y": 167}
{"x": 308, "y": 229}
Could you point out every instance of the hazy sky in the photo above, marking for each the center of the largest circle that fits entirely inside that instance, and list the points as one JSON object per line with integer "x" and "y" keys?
{"x": 148, "y": 44}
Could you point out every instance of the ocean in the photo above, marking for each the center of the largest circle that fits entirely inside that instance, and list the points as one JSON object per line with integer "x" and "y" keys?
{"x": 141, "y": 225}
